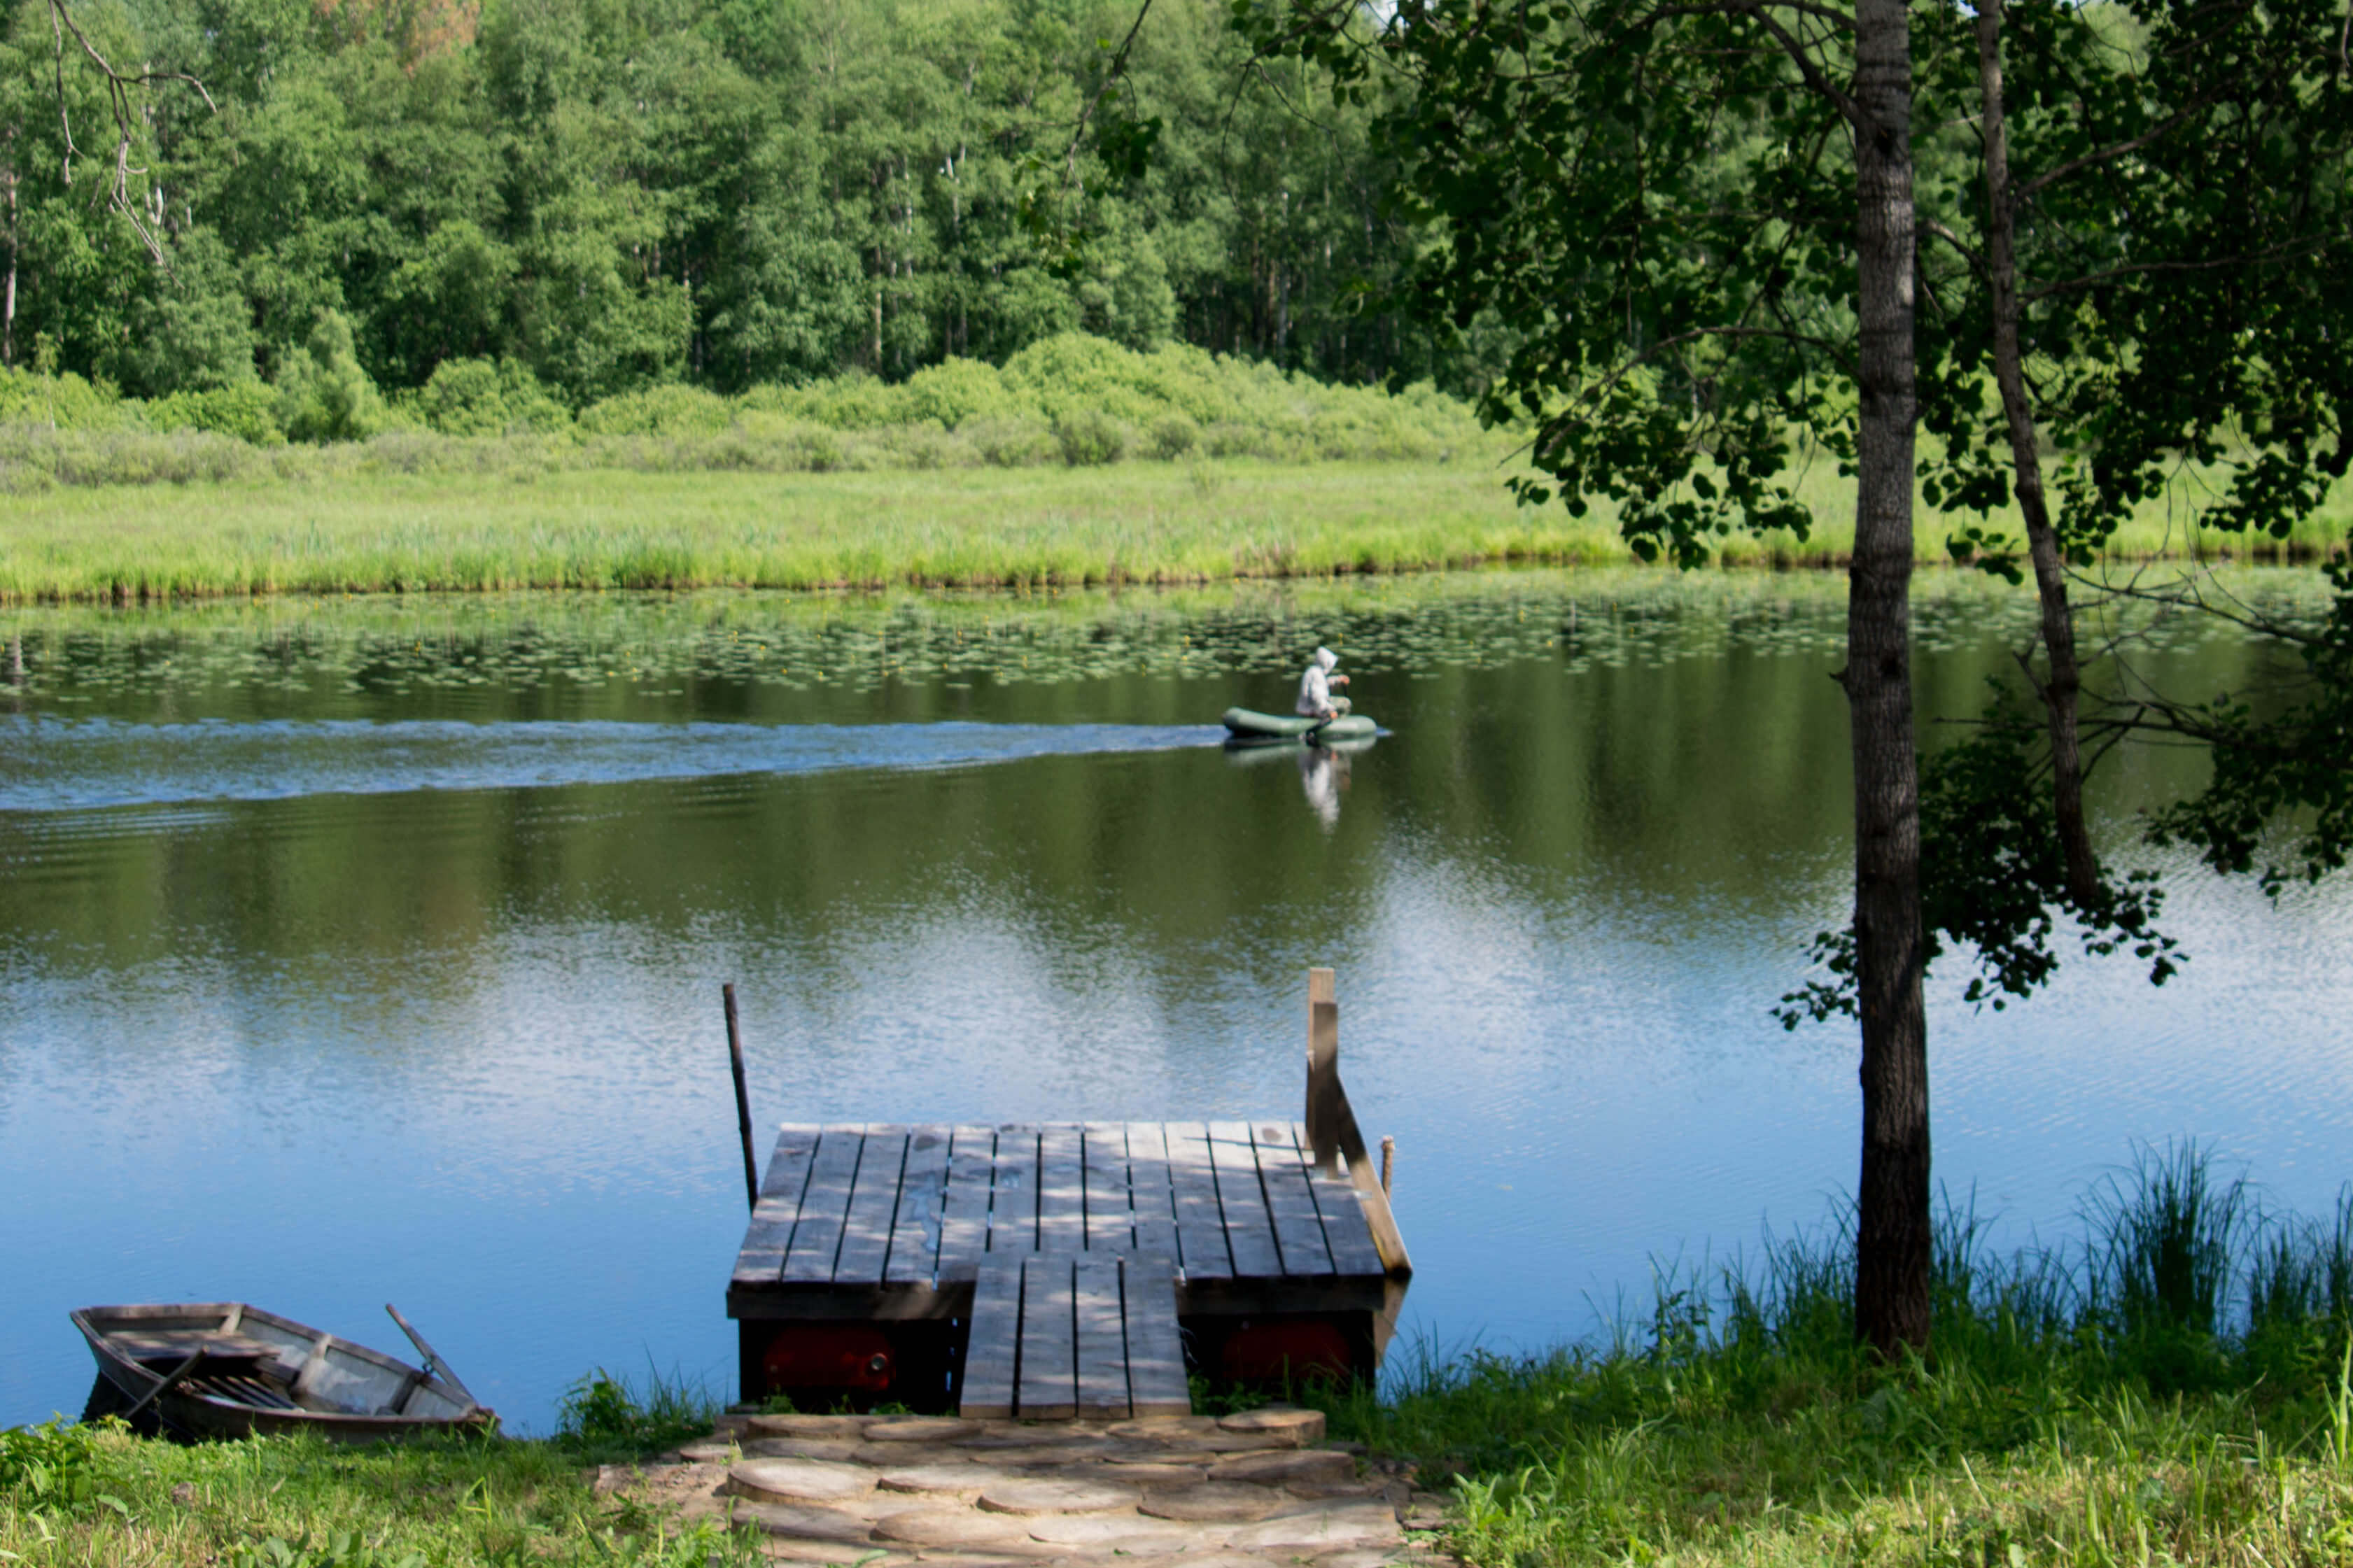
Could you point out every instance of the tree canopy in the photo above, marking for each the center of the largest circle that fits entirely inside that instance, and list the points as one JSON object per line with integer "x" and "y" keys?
{"x": 613, "y": 194}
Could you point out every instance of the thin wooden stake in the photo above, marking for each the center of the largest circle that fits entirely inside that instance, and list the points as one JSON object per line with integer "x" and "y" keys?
{"x": 743, "y": 1099}
{"x": 1388, "y": 1159}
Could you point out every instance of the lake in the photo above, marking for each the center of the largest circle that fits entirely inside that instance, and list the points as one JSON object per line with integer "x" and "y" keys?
{"x": 370, "y": 950}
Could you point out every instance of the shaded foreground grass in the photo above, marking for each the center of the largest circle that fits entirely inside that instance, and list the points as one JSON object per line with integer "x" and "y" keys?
{"x": 1201, "y": 521}
{"x": 98, "y": 1496}
{"x": 2171, "y": 1388}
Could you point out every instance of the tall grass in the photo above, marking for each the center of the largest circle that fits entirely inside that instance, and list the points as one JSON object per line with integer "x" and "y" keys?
{"x": 2169, "y": 1385}
{"x": 411, "y": 512}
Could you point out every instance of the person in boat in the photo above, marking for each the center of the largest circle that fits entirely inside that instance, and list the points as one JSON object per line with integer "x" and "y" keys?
{"x": 1315, "y": 698}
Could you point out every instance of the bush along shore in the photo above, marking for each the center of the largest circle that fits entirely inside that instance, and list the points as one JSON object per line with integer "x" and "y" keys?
{"x": 1072, "y": 400}
{"x": 2172, "y": 1386}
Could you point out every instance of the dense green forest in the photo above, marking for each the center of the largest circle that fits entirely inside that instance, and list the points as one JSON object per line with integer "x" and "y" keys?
{"x": 587, "y": 198}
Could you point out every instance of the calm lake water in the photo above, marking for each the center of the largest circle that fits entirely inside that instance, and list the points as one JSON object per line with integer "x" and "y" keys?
{"x": 370, "y": 951}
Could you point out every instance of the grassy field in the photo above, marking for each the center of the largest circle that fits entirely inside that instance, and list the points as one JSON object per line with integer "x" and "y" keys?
{"x": 1200, "y": 520}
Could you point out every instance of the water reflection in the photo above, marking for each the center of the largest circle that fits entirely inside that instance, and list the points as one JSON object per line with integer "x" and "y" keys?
{"x": 1323, "y": 767}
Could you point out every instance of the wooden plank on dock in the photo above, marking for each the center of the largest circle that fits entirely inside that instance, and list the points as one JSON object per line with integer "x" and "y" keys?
{"x": 1201, "y": 1240}
{"x": 1155, "y": 1355}
{"x": 1111, "y": 1222}
{"x": 1048, "y": 1377}
{"x": 873, "y": 1208}
{"x": 1298, "y": 1229}
{"x": 1062, "y": 1190}
{"x": 915, "y": 1236}
{"x": 770, "y": 1237}
{"x": 1013, "y": 1200}
{"x": 1149, "y": 1195}
{"x": 1249, "y": 1229}
{"x": 993, "y": 1347}
{"x": 1347, "y": 1228}
{"x": 1100, "y": 1341}
{"x": 824, "y": 1203}
{"x": 963, "y": 1210}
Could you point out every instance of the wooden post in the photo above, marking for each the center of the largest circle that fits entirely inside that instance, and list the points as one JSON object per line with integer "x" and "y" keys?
{"x": 1324, "y": 1092}
{"x": 1388, "y": 1159}
{"x": 743, "y": 1099}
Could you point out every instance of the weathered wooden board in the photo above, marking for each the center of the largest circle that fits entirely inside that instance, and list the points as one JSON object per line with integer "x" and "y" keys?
{"x": 1100, "y": 1341}
{"x": 1201, "y": 1229}
{"x": 1149, "y": 1195}
{"x": 1298, "y": 1229}
{"x": 1250, "y": 1232}
{"x": 964, "y": 1214}
{"x": 986, "y": 1390}
{"x": 1155, "y": 1355}
{"x": 915, "y": 1236}
{"x": 824, "y": 1203}
{"x": 1347, "y": 1230}
{"x": 1111, "y": 1224}
{"x": 1048, "y": 1381}
{"x": 1013, "y": 1202}
{"x": 1062, "y": 1190}
{"x": 770, "y": 1235}
{"x": 873, "y": 1208}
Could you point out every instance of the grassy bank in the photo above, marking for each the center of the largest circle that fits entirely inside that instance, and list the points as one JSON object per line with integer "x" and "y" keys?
{"x": 2169, "y": 1387}
{"x": 102, "y": 1498}
{"x": 485, "y": 514}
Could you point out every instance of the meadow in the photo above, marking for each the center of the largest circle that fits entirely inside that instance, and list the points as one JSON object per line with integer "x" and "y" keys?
{"x": 417, "y": 511}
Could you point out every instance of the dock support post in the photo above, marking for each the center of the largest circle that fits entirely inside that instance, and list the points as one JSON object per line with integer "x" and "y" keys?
{"x": 1323, "y": 1091}
{"x": 743, "y": 1099}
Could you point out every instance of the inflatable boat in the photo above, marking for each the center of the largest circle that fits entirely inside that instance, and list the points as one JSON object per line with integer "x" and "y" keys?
{"x": 1247, "y": 728}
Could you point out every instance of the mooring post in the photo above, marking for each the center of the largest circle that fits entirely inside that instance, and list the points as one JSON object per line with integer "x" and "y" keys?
{"x": 1388, "y": 1159}
{"x": 1324, "y": 1093}
{"x": 742, "y": 1098}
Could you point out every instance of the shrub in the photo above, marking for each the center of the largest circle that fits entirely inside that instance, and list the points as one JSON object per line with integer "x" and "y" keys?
{"x": 673, "y": 410}
{"x": 64, "y": 402}
{"x": 1090, "y": 438}
{"x": 1011, "y": 443}
{"x": 323, "y": 393}
{"x": 488, "y": 397}
{"x": 247, "y": 411}
{"x": 959, "y": 390}
{"x": 1173, "y": 435}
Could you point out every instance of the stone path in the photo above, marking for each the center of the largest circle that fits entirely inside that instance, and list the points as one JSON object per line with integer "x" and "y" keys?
{"x": 1191, "y": 1491}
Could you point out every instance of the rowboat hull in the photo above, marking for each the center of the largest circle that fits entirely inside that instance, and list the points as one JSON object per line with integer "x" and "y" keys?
{"x": 261, "y": 1374}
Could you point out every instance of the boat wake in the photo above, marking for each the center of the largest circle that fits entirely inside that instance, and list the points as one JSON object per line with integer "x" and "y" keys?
{"x": 51, "y": 764}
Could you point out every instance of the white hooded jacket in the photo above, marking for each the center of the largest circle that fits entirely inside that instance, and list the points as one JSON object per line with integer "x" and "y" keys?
{"x": 1315, "y": 685}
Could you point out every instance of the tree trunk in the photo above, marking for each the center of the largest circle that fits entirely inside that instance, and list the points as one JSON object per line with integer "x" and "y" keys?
{"x": 2061, "y": 687}
{"x": 1892, "y": 1229}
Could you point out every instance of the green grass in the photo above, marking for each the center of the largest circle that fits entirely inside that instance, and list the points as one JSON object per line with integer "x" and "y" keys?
{"x": 2148, "y": 1393}
{"x": 98, "y": 1496}
{"x": 371, "y": 528}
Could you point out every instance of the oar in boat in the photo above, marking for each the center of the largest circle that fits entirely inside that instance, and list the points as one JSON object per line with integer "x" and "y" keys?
{"x": 434, "y": 1365}
{"x": 170, "y": 1380}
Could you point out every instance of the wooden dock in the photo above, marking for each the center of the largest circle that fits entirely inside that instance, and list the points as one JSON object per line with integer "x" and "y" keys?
{"x": 1046, "y": 1271}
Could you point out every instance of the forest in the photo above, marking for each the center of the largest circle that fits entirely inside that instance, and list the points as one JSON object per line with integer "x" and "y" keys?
{"x": 581, "y": 199}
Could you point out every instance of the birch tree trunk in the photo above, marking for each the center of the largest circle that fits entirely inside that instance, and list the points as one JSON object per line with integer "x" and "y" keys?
{"x": 1891, "y": 1231}
{"x": 2064, "y": 682}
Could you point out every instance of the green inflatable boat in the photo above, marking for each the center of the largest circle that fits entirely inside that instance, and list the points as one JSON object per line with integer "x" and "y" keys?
{"x": 1244, "y": 727}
